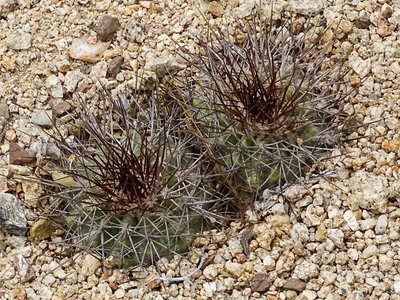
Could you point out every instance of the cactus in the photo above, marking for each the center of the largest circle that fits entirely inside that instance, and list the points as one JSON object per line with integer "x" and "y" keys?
{"x": 132, "y": 190}
{"x": 265, "y": 105}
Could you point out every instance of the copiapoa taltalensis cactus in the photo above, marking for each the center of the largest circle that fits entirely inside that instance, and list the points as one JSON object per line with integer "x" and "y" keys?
{"x": 265, "y": 106}
{"x": 129, "y": 187}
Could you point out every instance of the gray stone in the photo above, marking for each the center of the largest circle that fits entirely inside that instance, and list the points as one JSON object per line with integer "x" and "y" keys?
{"x": 7, "y": 6}
{"x": 106, "y": 27}
{"x": 308, "y": 7}
{"x": 163, "y": 66}
{"x": 54, "y": 86}
{"x": 381, "y": 224}
{"x": 12, "y": 218}
{"x": 43, "y": 118}
{"x": 244, "y": 10}
{"x": 4, "y": 111}
{"x": 18, "y": 40}
{"x": 72, "y": 78}
{"x": 134, "y": 32}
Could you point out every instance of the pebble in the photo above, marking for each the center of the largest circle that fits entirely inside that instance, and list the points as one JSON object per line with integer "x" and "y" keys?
{"x": 60, "y": 107}
{"x": 294, "y": 284}
{"x": 294, "y": 193}
{"x": 106, "y": 27}
{"x": 381, "y": 224}
{"x": 54, "y": 85}
{"x": 43, "y": 118}
{"x": 235, "y": 269}
{"x": 82, "y": 49}
{"x": 371, "y": 250}
{"x": 261, "y": 283}
{"x": 215, "y": 8}
{"x": 351, "y": 220}
{"x": 41, "y": 229}
{"x": 72, "y": 79}
{"x": 20, "y": 156}
{"x": 90, "y": 265}
{"x": 114, "y": 66}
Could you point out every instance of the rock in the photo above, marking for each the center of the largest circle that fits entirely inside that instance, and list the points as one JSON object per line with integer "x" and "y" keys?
{"x": 42, "y": 229}
{"x": 90, "y": 264}
{"x": 215, "y": 8}
{"x": 235, "y": 269}
{"x": 82, "y": 49}
{"x": 48, "y": 280}
{"x": 134, "y": 32}
{"x": 363, "y": 21}
{"x": 119, "y": 294}
{"x": 386, "y": 11}
{"x": 306, "y": 270}
{"x": 360, "y": 66}
{"x": 391, "y": 145}
{"x": 210, "y": 272}
{"x": 371, "y": 250}
{"x": 293, "y": 284}
{"x": 308, "y": 295}
{"x": 261, "y": 283}
{"x": 163, "y": 66}
{"x": 114, "y": 66}
{"x": 299, "y": 232}
{"x": 369, "y": 191}
{"x": 383, "y": 27}
{"x": 12, "y": 218}
{"x": 352, "y": 254}
{"x": 20, "y": 156}
{"x": 269, "y": 263}
{"x": 106, "y": 27}
{"x": 32, "y": 191}
{"x": 244, "y": 10}
{"x": 308, "y": 7}
{"x": 25, "y": 269}
{"x": 72, "y": 79}
{"x": 18, "y": 40}
{"x": 4, "y": 113}
{"x": 54, "y": 86}
{"x": 59, "y": 107}
{"x": 209, "y": 287}
{"x": 328, "y": 277}
{"x": 294, "y": 193}
{"x": 7, "y": 6}
{"x": 396, "y": 287}
{"x": 266, "y": 238}
{"x": 99, "y": 70}
{"x": 351, "y": 220}
{"x": 381, "y": 224}
{"x": 43, "y": 118}
{"x": 337, "y": 237}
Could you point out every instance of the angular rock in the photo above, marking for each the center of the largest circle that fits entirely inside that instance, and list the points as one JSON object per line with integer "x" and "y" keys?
{"x": 351, "y": 220}
{"x": 54, "y": 86}
{"x": 42, "y": 229}
{"x": 12, "y": 218}
{"x": 163, "y": 66}
{"x": 72, "y": 79}
{"x": 90, "y": 265}
{"x": 360, "y": 66}
{"x": 369, "y": 192}
{"x": 215, "y": 8}
{"x": 308, "y": 7}
{"x": 114, "y": 66}
{"x": 134, "y": 32}
{"x": 82, "y": 49}
{"x": 20, "y": 156}
{"x": 294, "y": 285}
{"x": 261, "y": 283}
{"x": 18, "y": 40}
{"x": 106, "y": 27}
{"x": 60, "y": 107}
{"x": 4, "y": 113}
{"x": 43, "y": 118}
{"x": 381, "y": 224}
{"x": 244, "y": 10}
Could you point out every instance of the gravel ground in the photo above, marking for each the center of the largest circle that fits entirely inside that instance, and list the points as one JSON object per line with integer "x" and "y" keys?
{"x": 341, "y": 239}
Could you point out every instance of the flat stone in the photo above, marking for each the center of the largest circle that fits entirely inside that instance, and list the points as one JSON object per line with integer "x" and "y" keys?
{"x": 20, "y": 156}
{"x": 12, "y": 218}
{"x": 261, "y": 283}
{"x": 90, "y": 265}
{"x": 106, "y": 27}
{"x": 42, "y": 229}
{"x": 4, "y": 111}
{"x": 60, "y": 107}
{"x": 163, "y": 66}
{"x": 308, "y": 7}
{"x": 360, "y": 66}
{"x": 18, "y": 40}
{"x": 43, "y": 118}
{"x": 294, "y": 285}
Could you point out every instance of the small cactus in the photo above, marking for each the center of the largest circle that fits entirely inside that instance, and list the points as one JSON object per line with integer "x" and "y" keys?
{"x": 264, "y": 104}
{"x": 130, "y": 189}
